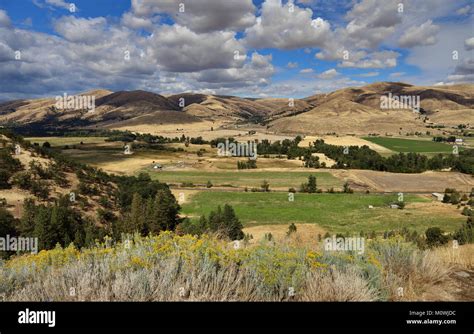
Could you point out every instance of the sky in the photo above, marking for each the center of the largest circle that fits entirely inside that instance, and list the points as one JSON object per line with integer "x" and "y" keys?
{"x": 264, "y": 48}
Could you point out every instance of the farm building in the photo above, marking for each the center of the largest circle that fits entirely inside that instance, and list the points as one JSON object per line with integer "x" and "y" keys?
{"x": 439, "y": 197}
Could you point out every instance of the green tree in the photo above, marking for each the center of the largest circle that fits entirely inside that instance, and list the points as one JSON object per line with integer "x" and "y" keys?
{"x": 231, "y": 224}
{"x": 137, "y": 215}
{"x": 27, "y": 221}
{"x": 7, "y": 227}
{"x": 45, "y": 233}
{"x": 435, "y": 237}
{"x": 312, "y": 186}
{"x": 165, "y": 214}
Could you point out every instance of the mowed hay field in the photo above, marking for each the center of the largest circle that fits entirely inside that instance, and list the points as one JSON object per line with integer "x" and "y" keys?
{"x": 411, "y": 145}
{"x": 345, "y": 141}
{"x": 337, "y": 213}
{"x": 61, "y": 141}
{"x": 247, "y": 178}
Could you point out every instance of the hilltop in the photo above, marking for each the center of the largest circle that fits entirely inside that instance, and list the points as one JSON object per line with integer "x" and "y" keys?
{"x": 348, "y": 110}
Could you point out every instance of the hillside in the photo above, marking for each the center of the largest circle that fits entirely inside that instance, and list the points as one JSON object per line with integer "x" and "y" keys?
{"x": 357, "y": 110}
{"x": 348, "y": 110}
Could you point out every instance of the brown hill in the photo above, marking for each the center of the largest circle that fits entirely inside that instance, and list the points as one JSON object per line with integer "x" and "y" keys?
{"x": 358, "y": 110}
{"x": 349, "y": 110}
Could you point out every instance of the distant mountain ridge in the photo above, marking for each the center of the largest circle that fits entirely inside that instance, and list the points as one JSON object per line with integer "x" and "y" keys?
{"x": 348, "y": 110}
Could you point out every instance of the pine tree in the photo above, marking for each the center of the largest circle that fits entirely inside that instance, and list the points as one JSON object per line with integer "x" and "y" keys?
{"x": 232, "y": 224}
{"x": 165, "y": 212}
{"x": 27, "y": 222}
{"x": 136, "y": 218}
{"x": 43, "y": 231}
{"x": 215, "y": 220}
{"x": 312, "y": 187}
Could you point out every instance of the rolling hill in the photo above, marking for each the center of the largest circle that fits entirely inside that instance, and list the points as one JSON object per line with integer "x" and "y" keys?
{"x": 348, "y": 110}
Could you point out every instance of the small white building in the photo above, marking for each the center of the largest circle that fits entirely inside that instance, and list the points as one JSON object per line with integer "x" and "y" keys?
{"x": 438, "y": 196}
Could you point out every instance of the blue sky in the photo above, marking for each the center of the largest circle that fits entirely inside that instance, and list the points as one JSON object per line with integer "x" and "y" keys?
{"x": 284, "y": 48}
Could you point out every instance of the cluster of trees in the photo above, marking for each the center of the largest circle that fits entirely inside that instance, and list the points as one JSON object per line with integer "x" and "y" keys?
{"x": 222, "y": 222}
{"x": 35, "y": 179}
{"x": 288, "y": 147}
{"x": 465, "y": 234}
{"x": 441, "y": 139}
{"x": 365, "y": 158}
{"x": 311, "y": 161}
{"x": 57, "y": 223}
{"x": 150, "y": 215}
{"x": 8, "y": 167}
{"x": 310, "y": 186}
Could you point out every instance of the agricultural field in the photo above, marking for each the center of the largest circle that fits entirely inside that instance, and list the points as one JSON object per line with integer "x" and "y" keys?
{"x": 246, "y": 178}
{"x": 335, "y": 213}
{"x": 61, "y": 141}
{"x": 411, "y": 145}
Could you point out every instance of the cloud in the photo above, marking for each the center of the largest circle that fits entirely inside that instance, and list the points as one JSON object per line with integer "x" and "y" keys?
{"x": 424, "y": 34}
{"x": 81, "y": 30}
{"x": 396, "y": 74}
{"x": 369, "y": 74}
{"x": 59, "y": 3}
{"x": 4, "y": 19}
{"x": 292, "y": 64}
{"x": 370, "y": 23}
{"x": 135, "y": 22}
{"x": 306, "y": 71}
{"x": 279, "y": 27}
{"x": 200, "y": 16}
{"x": 464, "y": 10}
{"x": 257, "y": 71}
{"x": 469, "y": 44}
{"x": 329, "y": 74}
{"x": 55, "y": 3}
{"x": 378, "y": 59}
{"x": 178, "y": 49}
{"x": 436, "y": 62}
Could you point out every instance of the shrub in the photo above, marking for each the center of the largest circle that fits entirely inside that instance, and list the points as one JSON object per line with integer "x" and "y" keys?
{"x": 435, "y": 237}
{"x": 291, "y": 229}
{"x": 265, "y": 186}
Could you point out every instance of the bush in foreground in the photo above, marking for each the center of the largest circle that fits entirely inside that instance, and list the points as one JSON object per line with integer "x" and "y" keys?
{"x": 170, "y": 267}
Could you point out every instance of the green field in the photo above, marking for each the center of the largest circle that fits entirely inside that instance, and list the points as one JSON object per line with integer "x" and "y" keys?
{"x": 61, "y": 141}
{"x": 249, "y": 179}
{"x": 334, "y": 212}
{"x": 411, "y": 145}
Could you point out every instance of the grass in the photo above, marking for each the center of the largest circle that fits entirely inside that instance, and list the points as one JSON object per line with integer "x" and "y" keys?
{"x": 186, "y": 268}
{"x": 411, "y": 145}
{"x": 337, "y": 213}
{"x": 61, "y": 141}
{"x": 248, "y": 178}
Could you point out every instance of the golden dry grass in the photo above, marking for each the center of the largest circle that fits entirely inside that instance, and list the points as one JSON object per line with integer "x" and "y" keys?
{"x": 344, "y": 141}
{"x": 306, "y": 234}
{"x": 462, "y": 257}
